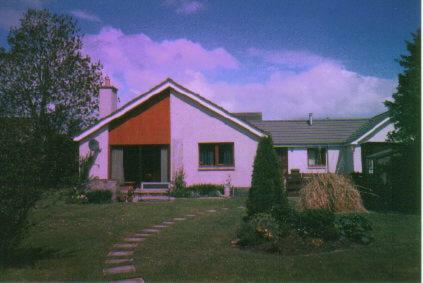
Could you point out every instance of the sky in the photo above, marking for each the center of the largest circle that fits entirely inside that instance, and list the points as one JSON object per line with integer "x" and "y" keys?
{"x": 285, "y": 58}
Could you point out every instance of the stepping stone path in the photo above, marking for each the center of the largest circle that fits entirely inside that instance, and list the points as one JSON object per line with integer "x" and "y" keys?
{"x": 119, "y": 260}
{"x": 125, "y": 245}
{"x": 179, "y": 219}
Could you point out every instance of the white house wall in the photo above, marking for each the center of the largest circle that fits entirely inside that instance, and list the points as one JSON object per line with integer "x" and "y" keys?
{"x": 190, "y": 126}
{"x": 100, "y": 165}
{"x": 339, "y": 159}
{"x": 382, "y": 134}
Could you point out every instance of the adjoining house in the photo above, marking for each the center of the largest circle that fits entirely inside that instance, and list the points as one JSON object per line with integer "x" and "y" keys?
{"x": 170, "y": 128}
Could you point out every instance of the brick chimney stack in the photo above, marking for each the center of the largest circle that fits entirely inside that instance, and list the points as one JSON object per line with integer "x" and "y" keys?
{"x": 107, "y": 98}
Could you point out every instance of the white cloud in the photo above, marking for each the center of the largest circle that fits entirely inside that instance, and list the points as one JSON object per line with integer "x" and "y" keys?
{"x": 185, "y": 7}
{"x": 321, "y": 85}
{"x": 84, "y": 15}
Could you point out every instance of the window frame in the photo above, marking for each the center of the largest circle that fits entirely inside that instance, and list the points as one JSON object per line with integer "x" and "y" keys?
{"x": 217, "y": 162}
{"x": 317, "y": 165}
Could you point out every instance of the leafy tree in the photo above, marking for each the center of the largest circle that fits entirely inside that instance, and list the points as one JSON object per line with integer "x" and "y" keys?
{"x": 46, "y": 81}
{"x": 405, "y": 107}
{"x": 266, "y": 185}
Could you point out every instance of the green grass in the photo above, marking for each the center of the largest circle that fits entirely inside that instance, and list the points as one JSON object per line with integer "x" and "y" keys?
{"x": 69, "y": 242}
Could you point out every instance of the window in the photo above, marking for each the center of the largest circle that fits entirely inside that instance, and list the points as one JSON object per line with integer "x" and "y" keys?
{"x": 370, "y": 166}
{"x": 216, "y": 154}
{"x": 316, "y": 157}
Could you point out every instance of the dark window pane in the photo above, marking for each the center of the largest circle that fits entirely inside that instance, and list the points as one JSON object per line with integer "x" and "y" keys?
{"x": 226, "y": 154}
{"x": 316, "y": 156}
{"x": 207, "y": 154}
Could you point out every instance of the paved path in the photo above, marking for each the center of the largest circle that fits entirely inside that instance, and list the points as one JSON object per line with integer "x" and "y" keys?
{"x": 119, "y": 259}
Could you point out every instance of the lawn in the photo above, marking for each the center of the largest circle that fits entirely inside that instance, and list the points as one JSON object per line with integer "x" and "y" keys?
{"x": 69, "y": 242}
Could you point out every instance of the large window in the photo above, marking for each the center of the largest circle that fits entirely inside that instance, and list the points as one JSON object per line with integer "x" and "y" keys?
{"x": 216, "y": 154}
{"x": 316, "y": 157}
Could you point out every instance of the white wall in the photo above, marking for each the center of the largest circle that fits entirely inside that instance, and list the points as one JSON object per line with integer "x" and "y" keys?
{"x": 191, "y": 126}
{"x": 101, "y": 163}
{"x": 339, "y": 159}
{"x": 382, "y": 134}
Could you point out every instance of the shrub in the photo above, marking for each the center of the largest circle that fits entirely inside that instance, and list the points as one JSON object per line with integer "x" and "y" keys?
{"x": 75, "y": 195}
{"x": 266, "y": 185}
{"x": 248, "y": 235}
{"x": 285, "y": 216}
{"x": 354, "y": 227}
{"x": 330, "y": 191}
{"x": 14, "y": 207}
{"x": 210, "y": 190}
{"x": 99, "y": 196}
{"x": 317, "y": 223}
{"x": 178, "y": 185}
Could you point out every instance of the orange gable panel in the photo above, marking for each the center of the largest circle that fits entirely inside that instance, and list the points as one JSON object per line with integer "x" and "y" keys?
{"x": 147, "y": 124}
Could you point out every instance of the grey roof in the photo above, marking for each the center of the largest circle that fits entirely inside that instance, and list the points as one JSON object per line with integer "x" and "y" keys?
{"x": 321, "y": 132}
{"x": 370, "y": 124}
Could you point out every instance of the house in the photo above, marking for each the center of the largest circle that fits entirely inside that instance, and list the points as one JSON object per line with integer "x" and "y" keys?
{"x": 170, "y": 128}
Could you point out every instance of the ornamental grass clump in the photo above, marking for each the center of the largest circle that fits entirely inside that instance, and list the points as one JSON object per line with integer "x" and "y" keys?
{"x": 331, "y": 191}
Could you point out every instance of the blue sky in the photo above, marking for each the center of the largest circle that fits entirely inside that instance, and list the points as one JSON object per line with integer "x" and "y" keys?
{"x": 285, "y": 58}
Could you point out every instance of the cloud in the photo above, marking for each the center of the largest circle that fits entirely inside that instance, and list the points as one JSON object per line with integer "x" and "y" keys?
{"x": 11, "y": 12}
{"x": 291, "y": 59}
{"x": 84, "y": 15}
{"x": 185, "y": 7}
{"x": 320, "y": 85}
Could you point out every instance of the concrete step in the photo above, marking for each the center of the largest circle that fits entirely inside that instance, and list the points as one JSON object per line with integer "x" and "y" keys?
{"x": 152, "y": 191}
{"x": 155, "y": 198}
{"x": 119, "y": 269}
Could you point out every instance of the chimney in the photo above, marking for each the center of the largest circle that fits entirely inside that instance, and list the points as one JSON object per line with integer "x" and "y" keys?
{"x": 310, "y": 119}
{"x": 107, "y": 98}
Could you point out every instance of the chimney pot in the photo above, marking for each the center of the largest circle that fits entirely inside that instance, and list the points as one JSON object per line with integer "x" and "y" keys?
{"x": 310, "y": 119}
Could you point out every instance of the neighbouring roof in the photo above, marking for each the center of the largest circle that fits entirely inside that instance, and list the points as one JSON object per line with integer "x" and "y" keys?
{"x": 165, "y": 85}
{"x": 373, "y": 123}
{"x": 321, "y": 132}
{"x": 248, "y": 116}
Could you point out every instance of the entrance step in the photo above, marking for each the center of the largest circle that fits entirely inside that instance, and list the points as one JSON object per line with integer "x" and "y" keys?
{"x": 155, "y": 198}
{"x": 152, "y": 191}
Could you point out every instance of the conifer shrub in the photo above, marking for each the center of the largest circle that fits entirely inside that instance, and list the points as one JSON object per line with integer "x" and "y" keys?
{"x": 266, "y": 185}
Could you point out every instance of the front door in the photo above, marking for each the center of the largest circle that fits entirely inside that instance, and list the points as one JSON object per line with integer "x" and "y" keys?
{"x": 150, "y": 163}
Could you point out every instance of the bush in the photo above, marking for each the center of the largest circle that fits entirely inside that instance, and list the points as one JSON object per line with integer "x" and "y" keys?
{"x": 198, "y": 190}
{"x": 317, "y": 223}
{"x": 99, "y": 196}
{"x": 247, "y": 235}
{"x": 210, "y": 190}
{"x": 354, "y": 227}
{"x": 266, "y": 185}
{"x": 331, "y": 191}
{"x": 178, "y": 185}
{"x": 14, "y": 207}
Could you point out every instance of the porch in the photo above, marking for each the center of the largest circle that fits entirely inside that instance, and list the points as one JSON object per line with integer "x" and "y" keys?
{"x": 138, "y": 164}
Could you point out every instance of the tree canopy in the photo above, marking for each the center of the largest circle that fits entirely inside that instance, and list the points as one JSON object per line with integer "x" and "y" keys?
{"x": 45, "y": 77}
{"x": 405, "y": 107}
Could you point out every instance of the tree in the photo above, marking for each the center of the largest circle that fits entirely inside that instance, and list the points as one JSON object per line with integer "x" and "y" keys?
{"x": 266, "y": 185}
{"x": 46, "y": 81}
{"x": 405, "y": 108}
